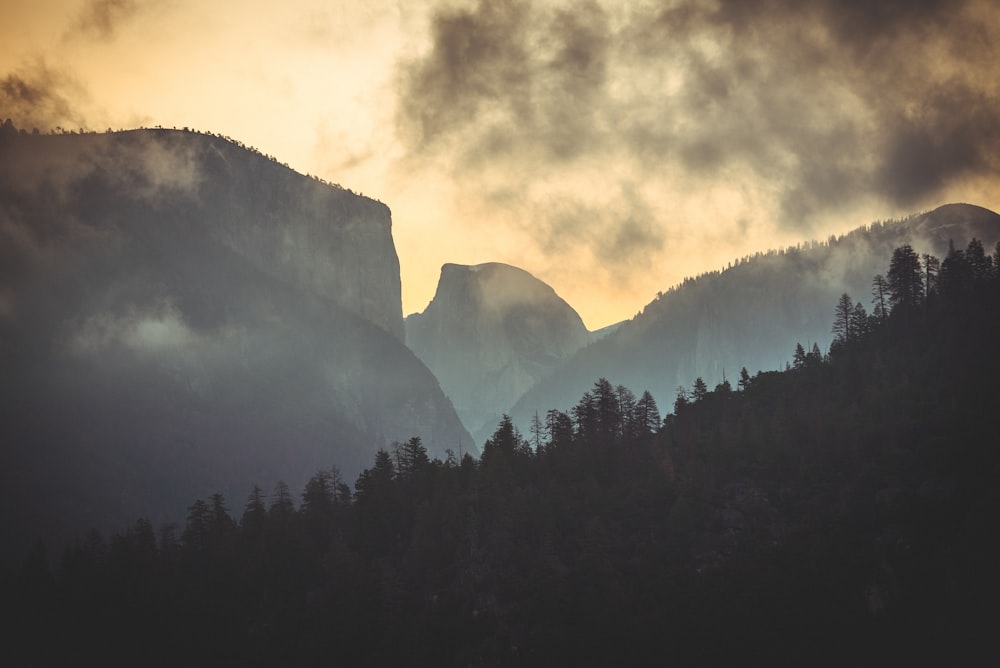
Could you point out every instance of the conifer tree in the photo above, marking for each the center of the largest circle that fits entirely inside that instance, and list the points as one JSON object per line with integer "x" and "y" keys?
{"x": 799, "y": 357}
{"x": 904, "y": 279}
{"x": 255, "y": 511}
{"x": 843, "y": 330}
{"x": 744, "y": 381}
{"x": 647, "y": 414}
{"x": 880, "y": 298}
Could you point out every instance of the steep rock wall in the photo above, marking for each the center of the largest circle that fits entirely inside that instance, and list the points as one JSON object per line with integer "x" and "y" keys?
{"x": 491, "y": 332}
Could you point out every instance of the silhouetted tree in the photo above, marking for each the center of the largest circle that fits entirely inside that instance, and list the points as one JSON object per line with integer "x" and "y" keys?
{"x": 843, "y": 320}
{"x": 980, "y": 263}
{"x": 904, "y": 279}
{"x": 859, "y": 321}
{"x": 680, "y": 399}
{"x": 411, "y": 458}
{"x": 559, "y": 428}
{"x": 197, "y": 529}
{"x": 744, "y": 381}
{"x": 282, "y": 505}
{"x": 254, "y": 512}
{"x": 699, "y": 390}
{"x": 318, "y": 495}
{"x": 880, "y": 298}
{"x": 647, "y": 414}
{"x": 799, "y": 357}
{"x": 222, "y": 524}
{"x": 536, "y": 432}
{"x": 932, "y": 266}
{"x": 955, "y": 276}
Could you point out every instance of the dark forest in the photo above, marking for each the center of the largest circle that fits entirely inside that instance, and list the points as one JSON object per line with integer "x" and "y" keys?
{"x": 841, "y": 511}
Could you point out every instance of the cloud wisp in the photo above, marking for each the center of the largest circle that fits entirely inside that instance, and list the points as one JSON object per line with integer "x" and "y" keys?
{"x": 610, "y": 148}
{"x": 791, "y": 110}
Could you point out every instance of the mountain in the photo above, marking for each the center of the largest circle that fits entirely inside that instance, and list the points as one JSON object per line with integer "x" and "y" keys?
{"x": 841, "y": 512}
{"x": 181, "y": 315}
{"x": 491, "y": 332}
{"x": 751, "y": 314}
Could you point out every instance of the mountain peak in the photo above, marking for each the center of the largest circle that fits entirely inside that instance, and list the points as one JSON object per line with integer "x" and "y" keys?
{"x": 491, "y": 331}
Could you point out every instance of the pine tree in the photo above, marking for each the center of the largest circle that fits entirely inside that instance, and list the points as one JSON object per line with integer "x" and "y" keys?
{"x": 559, "y": 428}
{"x": 859, "y": 321}
{"x": 198, "y": 526}
{"x": 955, "y": 277}
{"x": 255, "y": 511}
{"x": 536, "y": 432}
{"x": 880, "y": 297}
{"x": 282, "y": 505}
{"x": 680, "y": 400}
{"x": 317, "y": 497}
{"x": 932, "y": 266}
{"x": 222, "y": 523}
{"x": 799, "y": 358}
{"x": 626, "y": 412}
{"x": 744, "y": 381}
{"x": 905, "y": 281}
{"x": 980, "y": 263}
{"x": 412, "y": 458}
{"x": 843, "y": 330}
{"x": 647, "y": 414}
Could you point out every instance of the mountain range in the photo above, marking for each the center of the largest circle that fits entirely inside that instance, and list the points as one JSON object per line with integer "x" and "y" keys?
{"x": 180, "y": 314}
{"x": 750, "y": 314}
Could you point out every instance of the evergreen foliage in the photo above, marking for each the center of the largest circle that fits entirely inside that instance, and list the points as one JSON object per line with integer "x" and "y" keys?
{"x": 838, "y": 512}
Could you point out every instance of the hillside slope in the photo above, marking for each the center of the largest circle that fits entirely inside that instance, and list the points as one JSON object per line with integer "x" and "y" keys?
{"x": 179, "y": 314}
{"x": 751, "y": 314}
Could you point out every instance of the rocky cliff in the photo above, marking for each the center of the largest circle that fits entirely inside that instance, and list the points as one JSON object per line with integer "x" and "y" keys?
{"x": 491, "y": 332}
{"x": 179, "y": 316}
{"x": 317, "y": 237}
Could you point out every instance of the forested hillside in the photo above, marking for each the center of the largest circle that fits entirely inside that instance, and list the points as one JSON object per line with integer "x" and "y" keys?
{"x": 180, "y": 314}
{"x": 839, "y": 512}
{"x": 752, "y": 312}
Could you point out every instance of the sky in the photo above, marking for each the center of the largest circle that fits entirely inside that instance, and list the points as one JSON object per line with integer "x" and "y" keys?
{"x": 609, "y": 148}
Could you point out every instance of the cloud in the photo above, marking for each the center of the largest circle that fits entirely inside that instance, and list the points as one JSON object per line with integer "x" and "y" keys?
{"x": 800, "y": 109}
{"x": 36, "y": 96}
{"x": 100, "y": 19}
{"x": 159, "y": 327}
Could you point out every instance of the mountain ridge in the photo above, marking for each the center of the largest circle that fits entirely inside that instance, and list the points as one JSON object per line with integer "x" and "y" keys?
{"x": 750, "y": 314}
{"x": 147, "y": 355}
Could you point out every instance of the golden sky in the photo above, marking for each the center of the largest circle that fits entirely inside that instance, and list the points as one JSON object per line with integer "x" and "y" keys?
{"x": 609, "y": 148}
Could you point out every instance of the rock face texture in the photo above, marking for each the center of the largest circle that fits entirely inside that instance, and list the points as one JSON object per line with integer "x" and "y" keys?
{"x": 181, "y": 316}
{"x": 753, "y": 313}
{"x": 322, "y": 239}
{"x": 491, "y": 332}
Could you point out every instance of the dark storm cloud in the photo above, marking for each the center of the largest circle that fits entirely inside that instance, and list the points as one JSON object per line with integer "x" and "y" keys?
{"x": 39, "y": 97}
{"x": 100, "y": 19}
{"x": 829, "y": 101}
{"x": 955, "y": 132}
{"x": 520, "y": 84}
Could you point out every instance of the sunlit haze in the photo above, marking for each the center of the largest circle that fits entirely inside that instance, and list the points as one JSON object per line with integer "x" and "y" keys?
{"x": 608, "y": 148}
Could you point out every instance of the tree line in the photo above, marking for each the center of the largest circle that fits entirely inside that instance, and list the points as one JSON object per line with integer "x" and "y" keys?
{"x": 838, "y": 509}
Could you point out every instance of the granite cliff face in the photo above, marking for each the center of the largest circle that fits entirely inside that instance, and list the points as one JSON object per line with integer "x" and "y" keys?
{"x": 316, "y": 237}
{"x": 491, "y": 332}
{"x": 181, "y": 316}
{"x": 320, "y": 238}
{"x": 751, "y": 314}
